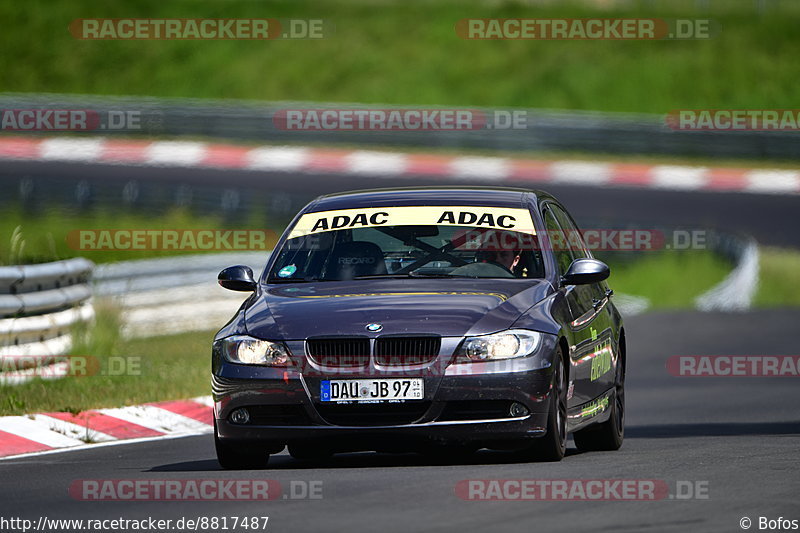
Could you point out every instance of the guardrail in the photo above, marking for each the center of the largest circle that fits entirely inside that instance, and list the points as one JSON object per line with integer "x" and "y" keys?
{"x": 737, "y": 290}
{"x": 545, "y": 130}
{"x": 39, "y": 304}
{"x": 174, "y": 294}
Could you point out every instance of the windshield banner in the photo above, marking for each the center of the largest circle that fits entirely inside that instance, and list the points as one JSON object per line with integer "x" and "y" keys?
{"x": 499, "y": 218}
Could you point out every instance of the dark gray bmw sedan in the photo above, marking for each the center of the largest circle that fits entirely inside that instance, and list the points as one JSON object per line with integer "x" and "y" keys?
{"x": 439, "y": 320}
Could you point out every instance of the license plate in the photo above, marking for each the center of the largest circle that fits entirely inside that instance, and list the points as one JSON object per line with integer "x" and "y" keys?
{"x": 365, "y": 390}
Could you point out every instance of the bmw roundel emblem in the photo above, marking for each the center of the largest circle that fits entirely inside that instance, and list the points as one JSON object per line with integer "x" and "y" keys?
{"x": 374, "y": 327}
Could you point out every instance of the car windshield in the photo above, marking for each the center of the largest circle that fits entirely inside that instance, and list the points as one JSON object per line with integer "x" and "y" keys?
{"x": 404, "y": 250}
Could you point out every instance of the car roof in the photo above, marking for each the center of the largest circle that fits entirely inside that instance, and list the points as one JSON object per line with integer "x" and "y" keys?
{"x": 436, "y": 195}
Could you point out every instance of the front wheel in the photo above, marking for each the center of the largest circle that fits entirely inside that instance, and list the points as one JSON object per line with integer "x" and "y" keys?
{"x": 608, "y": 435}
{"x": 553, "y": 445}
{"x": 239, "y": 456}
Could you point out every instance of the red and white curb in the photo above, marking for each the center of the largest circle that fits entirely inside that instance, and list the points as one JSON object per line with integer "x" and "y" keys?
{"x": 47, "y": 432}
{"x": 399, "y": 165}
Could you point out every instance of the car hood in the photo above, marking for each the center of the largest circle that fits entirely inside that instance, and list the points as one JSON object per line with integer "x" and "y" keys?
{"x": 447, "y": 307}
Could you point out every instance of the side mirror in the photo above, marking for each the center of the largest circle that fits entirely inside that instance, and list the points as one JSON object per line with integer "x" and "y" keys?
{"x": 585, "y": 271}
{"x": 237, "y": 278}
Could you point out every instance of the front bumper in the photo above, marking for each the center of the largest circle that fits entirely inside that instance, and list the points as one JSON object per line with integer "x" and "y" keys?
{"x": 458, "y": 409}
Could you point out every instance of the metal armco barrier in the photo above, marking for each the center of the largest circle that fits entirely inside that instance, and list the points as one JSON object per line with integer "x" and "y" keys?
{"x": 172, "y": 295}
{"x": 737, "y": 290}
{"x": 544, "y": 130}
{"x": 38, "y": 306}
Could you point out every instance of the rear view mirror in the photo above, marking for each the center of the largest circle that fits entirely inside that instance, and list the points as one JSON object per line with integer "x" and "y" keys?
{"x": 585, "y": 271}
{"x": 237, "y": 278}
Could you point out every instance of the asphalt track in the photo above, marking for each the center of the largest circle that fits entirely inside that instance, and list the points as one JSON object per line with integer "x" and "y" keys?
{"x": 740, "y": 437}
{"x": 771, "y": 218}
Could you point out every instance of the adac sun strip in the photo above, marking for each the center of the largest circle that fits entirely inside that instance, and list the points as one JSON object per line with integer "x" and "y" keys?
{"x": 499, "y": 218}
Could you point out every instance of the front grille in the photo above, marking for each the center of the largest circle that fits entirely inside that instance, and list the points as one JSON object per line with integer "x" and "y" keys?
{"x": 475, "y": 410}
{"x": 373, "y": 414}
{"x": 401, "y": 351}
{"x": 339, "y": 351}
{"x": 278, "y": 415}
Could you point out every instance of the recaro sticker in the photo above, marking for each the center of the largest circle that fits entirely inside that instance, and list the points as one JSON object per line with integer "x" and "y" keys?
{"x": 499, "y": 218}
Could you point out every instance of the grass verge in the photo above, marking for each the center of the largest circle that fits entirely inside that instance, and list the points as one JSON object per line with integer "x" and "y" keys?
{"x": 42, "y": 236}
{"x": 128, "y": 372}
{"x": 779, "y": 278}
{"x": 407, "y": 52}
{"x": 670, "y": 280}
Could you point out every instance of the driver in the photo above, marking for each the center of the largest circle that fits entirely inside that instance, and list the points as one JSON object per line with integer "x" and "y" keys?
{"x": 501, "y": 248}
{"x": 507, "y": 259}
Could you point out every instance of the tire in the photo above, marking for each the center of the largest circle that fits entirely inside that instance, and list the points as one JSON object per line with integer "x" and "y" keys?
{"x": 309, "y": 452}
{"x": 553, "y": 445}
{"x": 607, "y": 436}
{"x": 238, "y": 456}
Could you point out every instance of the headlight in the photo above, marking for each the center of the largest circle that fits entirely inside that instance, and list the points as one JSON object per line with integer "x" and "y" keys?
{"x": 251, "y": 351}
{"x": 505, "y": 345}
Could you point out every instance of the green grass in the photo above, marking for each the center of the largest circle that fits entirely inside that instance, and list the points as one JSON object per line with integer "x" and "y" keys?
{"x": 669, "y": 279}
{"x": 42, "y": 236}
{"x": 779, "y": 278}
{"x": 407, "y": 52}
{"x": 160, "y": 368}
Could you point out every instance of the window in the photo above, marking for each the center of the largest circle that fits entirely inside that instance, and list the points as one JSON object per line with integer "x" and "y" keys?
{"x": 441, "y": 251}
{"x": 557, "y": 240}
{"x": 574, "y": 238}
